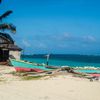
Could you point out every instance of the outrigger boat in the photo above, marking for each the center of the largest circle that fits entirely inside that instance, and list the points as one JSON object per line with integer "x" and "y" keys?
{"x": 19, "y": 69}
{"x": 21, "y": 65}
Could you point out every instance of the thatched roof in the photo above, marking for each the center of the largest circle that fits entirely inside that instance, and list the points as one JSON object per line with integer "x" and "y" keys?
{"x": 14, "y": 47}
{"x": 6, "y": 38}
{"x": 6, "y": 41}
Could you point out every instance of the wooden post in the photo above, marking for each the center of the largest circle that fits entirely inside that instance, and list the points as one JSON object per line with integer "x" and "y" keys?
{"x": 47, "y": 59}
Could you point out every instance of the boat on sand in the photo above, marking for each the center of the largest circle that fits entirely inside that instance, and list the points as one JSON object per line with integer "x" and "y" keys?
{"x": 28, "y": 66}
{"x": 19, "y": 69}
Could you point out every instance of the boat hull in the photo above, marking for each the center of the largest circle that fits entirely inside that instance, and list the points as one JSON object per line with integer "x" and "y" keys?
{"x": 19, "y": 69}
{"x": 23, "y": 64}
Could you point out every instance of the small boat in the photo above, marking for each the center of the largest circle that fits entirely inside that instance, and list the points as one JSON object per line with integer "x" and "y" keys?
{"x": 19, "y": 69}
{"x": 37, "y": 70}
{"x": 26, "y": 64}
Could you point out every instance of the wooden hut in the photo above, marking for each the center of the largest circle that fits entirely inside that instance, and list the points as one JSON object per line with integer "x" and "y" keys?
{"x": 8, "y": 48}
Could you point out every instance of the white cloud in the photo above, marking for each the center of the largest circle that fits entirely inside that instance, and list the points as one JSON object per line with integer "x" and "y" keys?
{"x": 66, "y": 35}
{"x": 89, "y": 38}
{"x": 26, "y": 43}
{"x": 41, "y": 45}
{"x": 61, "y": 37}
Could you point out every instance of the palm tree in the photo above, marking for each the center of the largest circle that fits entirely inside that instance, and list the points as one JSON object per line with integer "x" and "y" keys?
{"x": 6, "y": 26}
{"x": 7, "y": 13}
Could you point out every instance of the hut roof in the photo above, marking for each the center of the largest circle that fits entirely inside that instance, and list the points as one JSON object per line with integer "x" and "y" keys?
{"x": 6, "y": 41}
{"x": 6, "y": 37}
{"x": 14, "y": 47}
{"x": 10, "y": 47}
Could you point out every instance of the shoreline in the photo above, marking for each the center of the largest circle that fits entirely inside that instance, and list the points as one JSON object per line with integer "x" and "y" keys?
{"x": 58, "y": 87}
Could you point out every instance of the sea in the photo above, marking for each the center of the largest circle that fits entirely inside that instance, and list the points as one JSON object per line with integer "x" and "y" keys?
{"x": 72, "y": 60}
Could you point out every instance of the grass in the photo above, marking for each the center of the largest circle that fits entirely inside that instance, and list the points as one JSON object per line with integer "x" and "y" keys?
{"x": 32, "y": 77}
{"x": 27, "y": 75}
{"x": 18, "y": 73}
{"x": 2, "y": 79}
{"x": 80, "y": 75}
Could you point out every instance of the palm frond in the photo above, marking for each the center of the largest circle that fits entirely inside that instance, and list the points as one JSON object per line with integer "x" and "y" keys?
{"x": 7, "y": 13}
{"x": 10, "y": 27}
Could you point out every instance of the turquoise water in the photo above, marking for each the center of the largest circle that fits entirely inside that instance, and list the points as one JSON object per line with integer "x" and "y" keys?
{"x": 68, "y": 60}
{"x": 88, "y": 71}
{"x": 61, "y": 62}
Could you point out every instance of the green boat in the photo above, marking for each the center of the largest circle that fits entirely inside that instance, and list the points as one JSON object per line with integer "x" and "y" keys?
{"x": 25, "y": 64}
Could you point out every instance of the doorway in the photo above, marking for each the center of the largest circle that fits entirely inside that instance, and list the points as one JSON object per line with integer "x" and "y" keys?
{"x": 4, "y": 55}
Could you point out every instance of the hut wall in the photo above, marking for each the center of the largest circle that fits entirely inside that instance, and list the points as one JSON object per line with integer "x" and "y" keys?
{"x": 16, "y": 54}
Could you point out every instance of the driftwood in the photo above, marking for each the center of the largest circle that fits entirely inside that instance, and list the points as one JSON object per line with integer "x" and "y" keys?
{"x": 52, "y": 67}
{"x": 68, "y": 69}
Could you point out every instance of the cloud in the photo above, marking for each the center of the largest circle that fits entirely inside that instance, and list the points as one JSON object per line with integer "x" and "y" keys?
{"x": 61, "y": 37}
{"x": 59, "y": 42}
{"x": 89, "y": 39}
{"x": 41, "y": 45}
{"x": 26, "y": 43}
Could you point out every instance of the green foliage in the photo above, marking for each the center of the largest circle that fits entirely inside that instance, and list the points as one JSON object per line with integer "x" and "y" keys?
{"x": 80, "y": 75}
{"x": 2, "y": 79}
{"x": 6, "y": 26}
{"x": 4, "y": 15}
{"x": 31, "y": 77}
{"x": 27, "y": 75}
{"x": 18, "y": 73}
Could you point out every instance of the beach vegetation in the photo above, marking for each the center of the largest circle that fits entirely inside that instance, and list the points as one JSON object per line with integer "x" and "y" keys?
{"x": 81, "y": 75}
{"x": 2, "y": 79}
{"x": 28, "y": 75}
{"x": 18, "y": 73}
{"x": 32, "y": 77}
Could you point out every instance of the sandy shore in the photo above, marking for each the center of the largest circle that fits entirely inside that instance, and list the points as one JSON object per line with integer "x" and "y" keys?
{"x": 56, "y": 88}
{"x": 5, "y": 73}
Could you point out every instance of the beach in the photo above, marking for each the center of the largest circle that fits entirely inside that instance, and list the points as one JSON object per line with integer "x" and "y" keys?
{"x": 61, "y": 87}
{"x": 50, "y": 50}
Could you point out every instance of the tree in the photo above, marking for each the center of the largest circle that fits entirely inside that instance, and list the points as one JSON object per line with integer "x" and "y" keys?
{"x": 6, "y": 26}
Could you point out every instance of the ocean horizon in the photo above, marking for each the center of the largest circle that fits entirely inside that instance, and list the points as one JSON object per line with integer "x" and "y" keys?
{"x": 72, "y": 60}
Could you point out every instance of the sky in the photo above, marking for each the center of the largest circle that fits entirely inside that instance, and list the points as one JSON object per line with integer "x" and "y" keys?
{"x": 55, "y": 26}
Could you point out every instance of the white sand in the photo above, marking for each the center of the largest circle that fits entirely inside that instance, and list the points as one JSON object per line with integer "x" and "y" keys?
{"x": 4, "y": 73}
{"x": 60, "y": 88}
{"x": 63, "y": 87}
